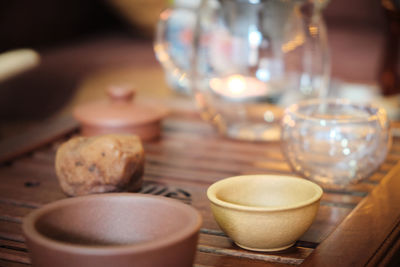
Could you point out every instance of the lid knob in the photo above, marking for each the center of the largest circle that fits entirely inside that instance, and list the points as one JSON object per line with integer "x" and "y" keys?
{"x": 118, "y": 93}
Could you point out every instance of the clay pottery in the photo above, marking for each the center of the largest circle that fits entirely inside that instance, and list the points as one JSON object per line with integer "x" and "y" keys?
{"x": 264, "y": 212}
{"x": 120, "y": 114}
{"x": 118, "y": 229}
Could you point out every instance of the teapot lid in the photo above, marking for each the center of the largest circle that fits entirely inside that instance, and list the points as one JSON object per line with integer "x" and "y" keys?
{"x": 119, "y": 110}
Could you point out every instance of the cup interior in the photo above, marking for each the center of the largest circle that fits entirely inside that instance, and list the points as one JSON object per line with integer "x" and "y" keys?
{"x": 113, "y": 221}
{"x": 264, "y": 191}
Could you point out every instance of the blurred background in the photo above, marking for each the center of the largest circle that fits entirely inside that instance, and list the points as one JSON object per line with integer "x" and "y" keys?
{"x": 77, "y": 39}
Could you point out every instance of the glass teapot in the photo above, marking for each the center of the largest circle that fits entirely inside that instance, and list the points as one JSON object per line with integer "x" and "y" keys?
{"x": 173, "y": 43}
{"x": 246, "y": 60}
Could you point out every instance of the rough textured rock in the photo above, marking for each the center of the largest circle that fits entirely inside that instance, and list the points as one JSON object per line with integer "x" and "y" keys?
{"x": 99, "y": 164}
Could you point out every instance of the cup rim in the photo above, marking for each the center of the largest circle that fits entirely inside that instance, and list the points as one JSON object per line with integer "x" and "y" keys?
{"x": 30, "y": 231}
{"x": 215, "y": 187}
{"x": 294, "y": 110}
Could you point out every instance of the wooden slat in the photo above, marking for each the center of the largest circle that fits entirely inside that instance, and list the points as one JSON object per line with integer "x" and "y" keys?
{"x": 390, "y": 251}
{"x": 14, "y": 255}
{"x": 35, "y": 138}
{"x": 223, "y": 246}
{"x": 14, "y": 252}
{"x": 21, "y": 246}
{"x": 207, "y": 258}
{"x": 11, "y": 231}
{"x": 6, "y": 263}
{"x": 358, "y": 239}
{"x": 16, "y": 187}
{"x": 12, "y": 213}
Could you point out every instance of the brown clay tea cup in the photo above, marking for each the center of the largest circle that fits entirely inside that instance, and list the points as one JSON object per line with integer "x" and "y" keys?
{"x": 264, "y": 212}
{"x": 118, "y": 229}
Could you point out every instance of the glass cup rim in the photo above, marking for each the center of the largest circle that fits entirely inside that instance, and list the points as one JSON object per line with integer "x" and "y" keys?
{"x": 374, "y": 111}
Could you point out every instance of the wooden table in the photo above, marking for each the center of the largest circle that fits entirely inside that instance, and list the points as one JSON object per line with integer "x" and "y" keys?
{"x": 358, "y": 226}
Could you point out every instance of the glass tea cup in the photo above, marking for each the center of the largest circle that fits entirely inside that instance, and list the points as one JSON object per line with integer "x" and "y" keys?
{"x": 334, "y": 141}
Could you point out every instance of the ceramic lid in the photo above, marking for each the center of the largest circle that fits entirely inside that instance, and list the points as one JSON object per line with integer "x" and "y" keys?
{"x": 119, "y": 110}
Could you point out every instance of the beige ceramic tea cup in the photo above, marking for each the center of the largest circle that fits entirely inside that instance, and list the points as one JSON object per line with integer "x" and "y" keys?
{"x": 264, "y": 212}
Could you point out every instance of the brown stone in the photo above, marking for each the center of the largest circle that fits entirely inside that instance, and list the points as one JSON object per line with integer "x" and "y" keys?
{"x": 106, "y": 163}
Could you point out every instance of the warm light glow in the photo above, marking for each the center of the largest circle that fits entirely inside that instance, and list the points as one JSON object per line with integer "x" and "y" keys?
{"x": 161, "y": 53}
{"x": 165, "y": 14}
{"x": 313, "y": 30}
{"x": 238, "y": 87}
{"x": 236, "y": 84}
{"x": 292, "y": 44}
